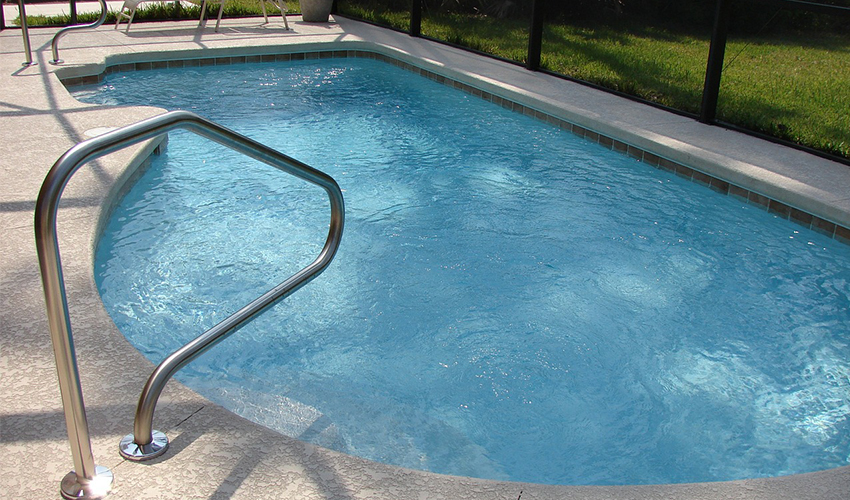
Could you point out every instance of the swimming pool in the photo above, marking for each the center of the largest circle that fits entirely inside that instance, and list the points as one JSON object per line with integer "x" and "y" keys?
{"x": 636, "y": 292}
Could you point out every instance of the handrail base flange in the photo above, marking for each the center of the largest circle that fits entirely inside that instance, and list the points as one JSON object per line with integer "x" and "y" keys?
{"x": 94, "y": 489}
{"x": 130, "y": 450}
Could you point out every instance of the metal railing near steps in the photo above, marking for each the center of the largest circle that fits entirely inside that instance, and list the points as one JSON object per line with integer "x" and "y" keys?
{"x": 24, "y": 31}
{"x": 54, "y": 45}
{"x": 88, "y": 481}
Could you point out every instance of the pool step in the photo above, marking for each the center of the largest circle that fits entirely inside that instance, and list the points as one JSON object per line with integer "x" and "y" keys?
{"x": 279, "y": 413}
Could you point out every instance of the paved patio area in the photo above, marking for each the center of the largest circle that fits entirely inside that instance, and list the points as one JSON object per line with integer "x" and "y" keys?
{"x": 215, "y": 454}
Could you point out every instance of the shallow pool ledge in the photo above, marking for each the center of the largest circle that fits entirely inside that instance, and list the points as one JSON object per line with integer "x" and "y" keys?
{"x": 216, "y": 454}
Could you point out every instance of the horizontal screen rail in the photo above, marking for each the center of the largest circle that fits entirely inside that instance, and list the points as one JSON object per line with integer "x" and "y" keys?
{"x": 87, "y": 479}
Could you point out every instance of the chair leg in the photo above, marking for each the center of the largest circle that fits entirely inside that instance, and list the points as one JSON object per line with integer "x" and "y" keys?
{"x": 129, "y": 16}
{"x": 265, "y": 16}
{"x": 220, "y": 12}
{"x": 282, "y": 6}
{"x": 203, "y": 13}
{"x": 130, "y": 21}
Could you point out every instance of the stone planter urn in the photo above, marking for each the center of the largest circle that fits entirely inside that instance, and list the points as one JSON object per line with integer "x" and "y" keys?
{"x": 315, "y": 11}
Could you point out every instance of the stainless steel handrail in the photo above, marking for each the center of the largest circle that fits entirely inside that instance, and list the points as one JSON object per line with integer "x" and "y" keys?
{"x": 22, "y": 13}
{"x": 54, "y": 45}
{"x": 88, "y": 480}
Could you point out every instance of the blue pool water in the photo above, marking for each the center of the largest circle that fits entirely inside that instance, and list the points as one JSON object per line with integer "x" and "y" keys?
{"x": 509, "y": 301}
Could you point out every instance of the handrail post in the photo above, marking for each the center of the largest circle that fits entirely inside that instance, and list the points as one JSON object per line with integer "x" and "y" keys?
{"x": 535, "y": 36}
{"x": 714, "y": 68}
{"x": 25, "y": 32}
{"x": 86, "y": 481}
{"x": 54, "y": 45}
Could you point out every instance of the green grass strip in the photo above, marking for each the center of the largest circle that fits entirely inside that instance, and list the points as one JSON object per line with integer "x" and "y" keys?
{"x": 792, "y": 86}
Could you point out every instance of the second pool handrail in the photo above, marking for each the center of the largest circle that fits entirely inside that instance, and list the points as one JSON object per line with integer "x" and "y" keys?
{"x": 22, "y": 14}
{"x": 54, "y": 45}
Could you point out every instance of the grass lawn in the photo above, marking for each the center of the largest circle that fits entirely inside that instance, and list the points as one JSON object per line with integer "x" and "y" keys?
{"x": 647, "y": 62}
{"x": 795, "y": 86}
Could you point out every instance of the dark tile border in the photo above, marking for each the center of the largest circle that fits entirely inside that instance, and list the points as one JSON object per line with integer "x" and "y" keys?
{"x": 775, "y": 207}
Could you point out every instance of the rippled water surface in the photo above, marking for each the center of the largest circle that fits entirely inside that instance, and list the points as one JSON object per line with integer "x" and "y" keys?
{"x": 509, "y": 301}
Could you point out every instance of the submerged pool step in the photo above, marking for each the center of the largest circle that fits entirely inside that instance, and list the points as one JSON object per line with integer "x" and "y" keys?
{"x": 279, "y": 413}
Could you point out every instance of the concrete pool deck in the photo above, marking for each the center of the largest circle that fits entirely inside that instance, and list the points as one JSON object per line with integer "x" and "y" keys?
{"x": 215, "y": 454}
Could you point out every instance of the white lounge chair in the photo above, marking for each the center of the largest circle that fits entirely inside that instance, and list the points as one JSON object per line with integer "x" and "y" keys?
{"x": 280, "y": 4}
{"x": 128, "y": 12}
{"x": 130, "y": 6}
{"x": 204, "y": 11}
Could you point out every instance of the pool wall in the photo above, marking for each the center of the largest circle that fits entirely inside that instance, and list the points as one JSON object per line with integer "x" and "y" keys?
{"x": 216, "y": 454}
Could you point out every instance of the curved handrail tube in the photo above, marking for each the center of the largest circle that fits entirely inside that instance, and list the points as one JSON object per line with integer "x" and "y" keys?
{"x": 54, "y": 45}
{"x": 56, "y": 301}
{"x": 143, "y": 427}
